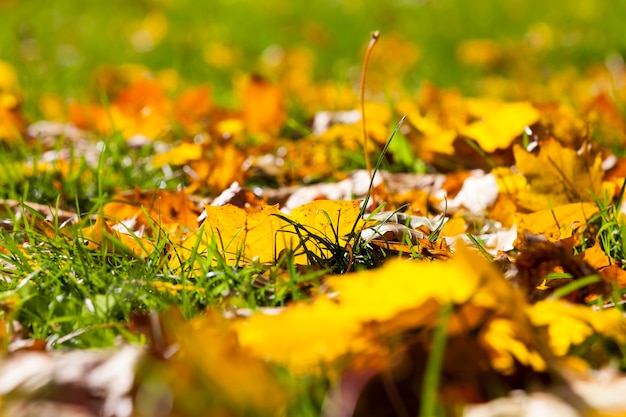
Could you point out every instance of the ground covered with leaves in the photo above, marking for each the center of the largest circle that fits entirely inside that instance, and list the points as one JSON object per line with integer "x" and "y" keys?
{"x": 199, "y": 215}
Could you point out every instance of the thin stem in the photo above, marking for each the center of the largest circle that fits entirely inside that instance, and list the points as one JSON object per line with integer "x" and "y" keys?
{"x": 366, "y": 60}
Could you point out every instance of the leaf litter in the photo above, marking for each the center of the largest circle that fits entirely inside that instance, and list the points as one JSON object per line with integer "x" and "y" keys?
{"x": 516, "y": 234}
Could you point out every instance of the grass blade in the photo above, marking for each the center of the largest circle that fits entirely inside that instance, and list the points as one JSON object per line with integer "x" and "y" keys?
{"x": 432, "y": 376}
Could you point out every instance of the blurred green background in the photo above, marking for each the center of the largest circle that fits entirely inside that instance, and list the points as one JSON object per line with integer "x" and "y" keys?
{"x": 56, "y": 46}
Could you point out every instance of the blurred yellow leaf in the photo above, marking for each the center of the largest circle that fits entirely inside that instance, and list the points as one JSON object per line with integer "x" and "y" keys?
{"x": 499, "y": 123}
{"x": 481, "y": 52}
{"x": 570, "y": 325}
{"x": 178, "y": 155}
{"x": 326, "y": 330}
{"x": 218, "y": 167}
{"x": 501, "y": 337}
{"x": 210, "y": 373}
{"x": 192, "y": 109}
{"x": 153, "y": 210}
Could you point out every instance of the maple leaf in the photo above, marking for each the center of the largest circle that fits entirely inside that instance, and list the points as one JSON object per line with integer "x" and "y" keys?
{"x": 217, "y": 170}
{"x": 262, "y": 235}
{"x": 437, "y": 137}
{"x": 606, "y": 266}
{"x": 479, "y": 52}
{"x": 179, "y": 155}
{"x": 557, "y": 176}
{"x": 141, "y": 108}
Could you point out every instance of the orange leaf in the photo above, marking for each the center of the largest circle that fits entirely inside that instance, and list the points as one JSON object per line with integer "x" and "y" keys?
{"x": 606, "y": 267}
{"x": 104, "y": 236}
{"x": 263, "y": 107}
{"x": 192, "y": 108}
{"x": 148, "y": 208}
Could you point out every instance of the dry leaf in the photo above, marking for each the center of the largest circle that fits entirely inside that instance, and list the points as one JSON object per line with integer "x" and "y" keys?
{"x": 558, "y": 176}
{"x": 558, "y": 223}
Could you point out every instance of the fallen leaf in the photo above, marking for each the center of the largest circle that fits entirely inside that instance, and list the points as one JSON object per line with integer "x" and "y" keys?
{"x": 263, "y": 107}
{"x": 498, "y": 123}
{"x": 557, "y": 223}
{"x": 557, "y": 176}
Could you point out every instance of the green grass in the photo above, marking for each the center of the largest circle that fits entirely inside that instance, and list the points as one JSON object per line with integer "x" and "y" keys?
{"x": 57, "y": 47}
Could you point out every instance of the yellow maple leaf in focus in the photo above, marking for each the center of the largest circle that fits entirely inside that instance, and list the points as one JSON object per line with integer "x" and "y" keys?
{"x": 250, "y": 236}
{"x": 557, "y": 176}
{"x": 242, "y": 237}
{"x": 498, "y": 123}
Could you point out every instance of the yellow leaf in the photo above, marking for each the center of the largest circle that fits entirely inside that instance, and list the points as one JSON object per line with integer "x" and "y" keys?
{"x": 303, "y": 336}
{"x": 557, "y": 176}
{"x": 165, "y": 209}
{"x": 332, "y": 218}
{"x": 217, "y": 169}
{"x": 437, "y": 137}
{"x": 250, "y": 236}
{"x": 261, "y": 236}
{"x": 501, "y": 338}
{"x": 605, "y": 265}
{"x": 400, "y": 296}
{"x": 178, "y": 155}
{"x": 558, "y": 223}
{"x": 214, "y": 373}
{"x": 499, "y": 124}
{"x": 479, "y": 52}
{"x": 509, "y": 182}
{"x": 571, "y": 324}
